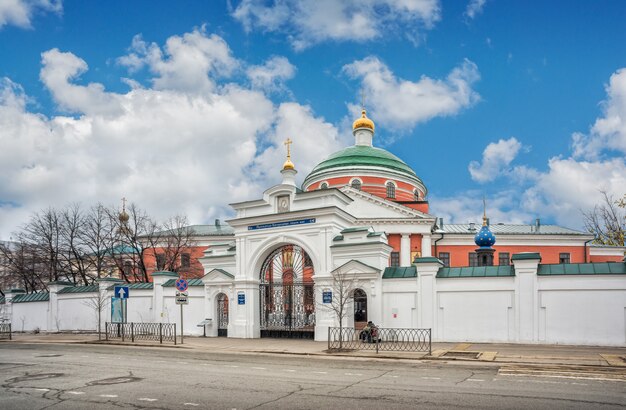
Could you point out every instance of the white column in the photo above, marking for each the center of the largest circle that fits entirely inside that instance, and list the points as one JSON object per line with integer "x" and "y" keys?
{"x": 526, "y": 303}
{"x": 426, "y": 246}
{"x": 405, "y": 250}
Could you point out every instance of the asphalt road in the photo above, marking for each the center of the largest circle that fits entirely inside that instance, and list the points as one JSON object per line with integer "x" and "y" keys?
{"x": 77, "y": 376}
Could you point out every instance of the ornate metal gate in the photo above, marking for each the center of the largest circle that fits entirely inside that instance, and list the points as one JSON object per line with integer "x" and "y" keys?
{"x": 287, "y": 295}
{"x": 222, "y": 315}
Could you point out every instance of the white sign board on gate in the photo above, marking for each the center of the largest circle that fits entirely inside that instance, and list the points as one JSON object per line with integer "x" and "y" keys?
{"x": 182, "y": 298}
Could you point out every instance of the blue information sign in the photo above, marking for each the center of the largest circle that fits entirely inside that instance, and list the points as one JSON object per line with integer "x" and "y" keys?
{"x": 282, "y": 224}
{"x": 121, "y": 292}
{"x": 327, "y": 296}
{"x": 117, "y": 310}
{"x": 241, "y": 298}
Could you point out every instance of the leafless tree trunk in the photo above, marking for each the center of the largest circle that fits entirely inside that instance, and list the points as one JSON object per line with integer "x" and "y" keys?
{"x": 607, "y": 221}
{"x": 98, "y": 304}
{"x": 342, "y": 288}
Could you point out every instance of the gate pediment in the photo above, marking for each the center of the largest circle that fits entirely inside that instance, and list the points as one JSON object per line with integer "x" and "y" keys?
{"x": 218, "y": 276}
{"x": 358, "y": 269}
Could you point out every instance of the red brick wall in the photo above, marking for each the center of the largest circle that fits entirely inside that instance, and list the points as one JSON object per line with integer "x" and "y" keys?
{"x": 549, "y": 254}
{"x": 372, "y": 185}
{"x": 195, "y": 269}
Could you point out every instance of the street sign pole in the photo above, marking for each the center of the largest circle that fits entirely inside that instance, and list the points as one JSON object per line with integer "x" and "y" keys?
{"x": 181, "y": 324}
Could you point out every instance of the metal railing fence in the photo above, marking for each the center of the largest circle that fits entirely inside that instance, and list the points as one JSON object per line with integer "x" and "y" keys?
{"x": 158, "y": 332}
{"x": 387, "y": 339}
{"x": 5, "y": 331}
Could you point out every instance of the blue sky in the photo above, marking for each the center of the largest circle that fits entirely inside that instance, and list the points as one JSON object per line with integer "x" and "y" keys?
{"x": 183, "y": 108}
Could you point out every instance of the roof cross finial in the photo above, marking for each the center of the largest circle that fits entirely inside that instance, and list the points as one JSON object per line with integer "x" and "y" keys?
{"x": 124, "y": 204}
{"x": 484, "y": 211}
{"x": 288, "y": 142}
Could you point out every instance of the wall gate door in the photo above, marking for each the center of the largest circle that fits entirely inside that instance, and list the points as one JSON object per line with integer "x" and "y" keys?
{"x": 287, "y": 298}
{"x": 222, "y": 315}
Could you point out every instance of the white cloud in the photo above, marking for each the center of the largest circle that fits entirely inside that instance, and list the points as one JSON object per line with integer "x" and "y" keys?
{"x": 59, "y": 69}
{"x": 311, "y": 22}
{"x": 570, "y": 186}
{"x": 188, "y": 63}
{"x": 474, "y": 8}
{"x": 497, "y": 157}
{"x": 271, "y": 75}
{"x": 399, "y": 103}
{"x": 468, "y": 207}
{"x": 609, "y": 131}
{"x": 21, "y": 12}
{"x": 169, "y": 150}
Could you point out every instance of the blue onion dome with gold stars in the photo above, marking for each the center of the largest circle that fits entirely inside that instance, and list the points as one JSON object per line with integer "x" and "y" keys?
{"x": 485, "y": 238}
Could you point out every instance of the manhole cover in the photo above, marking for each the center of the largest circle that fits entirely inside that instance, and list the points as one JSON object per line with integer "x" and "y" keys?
{"x": 49, "y": 355}
{"x": 114, "y": 380}
{"x": 39, "y": 376}
{"x": 462, "y": 354}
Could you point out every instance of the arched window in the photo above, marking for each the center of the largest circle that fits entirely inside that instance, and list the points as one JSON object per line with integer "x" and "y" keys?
{"x": 324, "y": 185}
{"x": 391, "y": 190}
{"x": 356, "y": 184}
{"x": 416, "y": 195}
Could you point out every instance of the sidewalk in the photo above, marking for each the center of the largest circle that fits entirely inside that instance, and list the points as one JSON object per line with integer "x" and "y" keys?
{"x": 519, "y": 354}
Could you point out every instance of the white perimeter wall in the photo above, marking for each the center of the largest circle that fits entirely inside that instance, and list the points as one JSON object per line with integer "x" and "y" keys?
{"x": 76, "y": 312}
{"x": 582, "y": 310}
{"x": 33, "y": 315}
{"x": 193, "y": 313}
{"x": 139, "y": 306}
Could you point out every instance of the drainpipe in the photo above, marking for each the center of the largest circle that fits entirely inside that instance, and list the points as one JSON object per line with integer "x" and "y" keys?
{"x": 586, "y": 242}
{"x": 440, "y": 227}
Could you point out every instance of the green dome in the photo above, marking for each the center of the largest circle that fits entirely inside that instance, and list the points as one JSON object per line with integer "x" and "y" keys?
{"x": 364, "y": 156}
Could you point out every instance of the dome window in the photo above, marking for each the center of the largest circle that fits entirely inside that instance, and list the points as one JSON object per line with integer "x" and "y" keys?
{"x": 324, "y": 185}
{"x": 356, "y": 184}
{"x": 391, "y": 190}
{"x": 416, "y": 195}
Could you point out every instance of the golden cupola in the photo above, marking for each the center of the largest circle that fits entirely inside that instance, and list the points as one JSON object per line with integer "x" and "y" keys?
{"x": 363, "y": 122}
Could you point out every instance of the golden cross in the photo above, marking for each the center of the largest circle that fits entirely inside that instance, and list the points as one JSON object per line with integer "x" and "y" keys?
{"x": 288, "y": 142}
{"x": 124, "y": 204}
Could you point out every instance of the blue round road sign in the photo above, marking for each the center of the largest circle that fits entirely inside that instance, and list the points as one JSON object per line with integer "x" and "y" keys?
{"x": 181, "y": 284}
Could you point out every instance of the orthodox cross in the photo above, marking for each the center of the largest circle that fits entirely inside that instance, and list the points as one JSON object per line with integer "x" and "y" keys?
{"x": 124, "y": 204}
{"x": 484, "y": 211}
{"x": 288, "y": 142}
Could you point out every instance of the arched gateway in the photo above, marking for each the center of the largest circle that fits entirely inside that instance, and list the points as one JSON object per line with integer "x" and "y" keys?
{"x": 287, "y": 296}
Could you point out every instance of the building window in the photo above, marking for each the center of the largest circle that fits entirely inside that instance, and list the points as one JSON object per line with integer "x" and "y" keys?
{"x": 445, "y": 258}
{"x": 128, "y": 268}
{"x": 564, "y": 258}
{"x": 185, "y": 260}
{"x": 391, "y": 190}
{"x": 160, "y": 261}
{"x": 356, "y": 184}
{"x": 473, "y": 259}
{"x": 504, "y": 259}
{"x": 324, "y": 185}
{"x": 416, "y": 195}
{"x": 395, "y": 258}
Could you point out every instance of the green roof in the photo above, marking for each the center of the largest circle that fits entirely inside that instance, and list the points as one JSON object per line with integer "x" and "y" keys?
{"x": 136, "y": 285}
{"x": 79, "y": 289}
{"x": 601, "y": 268}
{"x": 397, "y": 272}
{"x": 225, "y": 273}
{"x": 367, "y": 156}
{"x": 526, "y": 256}
{"x": 32, "y": 297}
{"x": 190, "y": 282}
{"x": 476, "y": 272}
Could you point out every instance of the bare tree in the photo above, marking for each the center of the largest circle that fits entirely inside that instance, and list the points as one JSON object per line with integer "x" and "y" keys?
{"x": 98, "y": 303}
{"x": 175, "y": 238}
{"x": 607, "y": 221}
{"x": 342, "y": 287}
{"x": 98, "y": 240}
{"x": 20, "y": 267}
